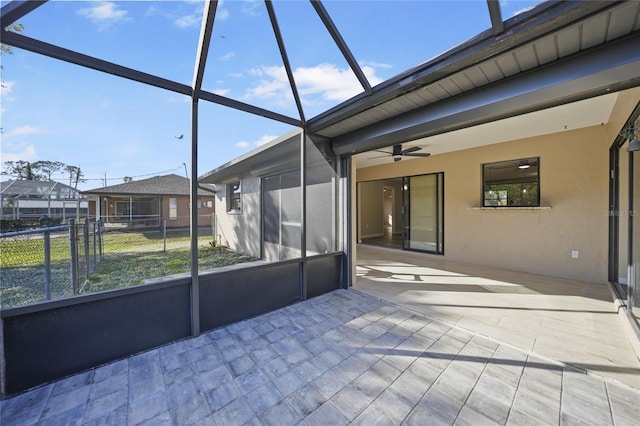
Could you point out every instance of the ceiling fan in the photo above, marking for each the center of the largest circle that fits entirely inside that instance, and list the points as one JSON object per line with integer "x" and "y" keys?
{"x": 398, "y": 152}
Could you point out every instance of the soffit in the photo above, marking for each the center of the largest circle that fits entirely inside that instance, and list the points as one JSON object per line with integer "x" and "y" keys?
{"x": 592, "y": 31}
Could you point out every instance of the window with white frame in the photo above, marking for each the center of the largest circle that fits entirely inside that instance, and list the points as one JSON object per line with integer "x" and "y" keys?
{"x": 234, "y": 197}
{"x": 173, "y": 208}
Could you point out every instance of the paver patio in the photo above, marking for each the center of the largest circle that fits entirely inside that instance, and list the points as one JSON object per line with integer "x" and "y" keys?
{"x": 340, "y": 358}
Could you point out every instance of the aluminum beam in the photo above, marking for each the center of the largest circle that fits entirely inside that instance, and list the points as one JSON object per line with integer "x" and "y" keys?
{"x": 496, "y": 16}
{"x": 56, "y": 52}
{"x": 204, "y": 42}
{"x": 231, "y": 103}
{"x": 592, "y": 73}
{"x": 285, "y": 58}
{"x": 342, "y": 45}
{"x": 15, "y": 10}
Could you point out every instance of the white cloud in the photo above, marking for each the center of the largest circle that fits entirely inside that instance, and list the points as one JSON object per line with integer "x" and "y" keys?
{"x": 222, "y": 14}
{"x": 326, "y": 81}
{"x": 21, "y": 131}
{"x": 273, "y": 84}
{"x": 236, "y": 74}
{"x": 261, "y": 141}
{"x": 28, "y": 154}
{"x": 227, "y": 56}
{"x": 222, "y": 92}
{"x": 188, "y": 21}
{"x": 373, "y": 64}
{"x": 6, "y": 88}
{"x": 104, "y": 14}
{"x": 265, "y": 139}
{"x": 251, "y": 7}
{"x": 523, "y": 10}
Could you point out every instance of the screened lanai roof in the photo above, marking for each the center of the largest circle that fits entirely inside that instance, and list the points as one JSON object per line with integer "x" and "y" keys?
{"x": 364, "y": 74}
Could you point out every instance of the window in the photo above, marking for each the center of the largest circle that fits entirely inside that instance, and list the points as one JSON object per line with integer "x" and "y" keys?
{"x": 173, "y": 208}
{"x": 133, "y": 209}
{"x": 514, "y": 183}
{"x": 234, "y": 191}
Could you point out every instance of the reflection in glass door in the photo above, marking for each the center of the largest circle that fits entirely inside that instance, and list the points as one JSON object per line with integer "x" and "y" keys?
{"x": 423, "y": 213}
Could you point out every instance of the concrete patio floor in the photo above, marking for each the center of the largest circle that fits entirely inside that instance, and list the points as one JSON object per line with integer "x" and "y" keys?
{"x": 572, "y": 322}
{"x": 341, "y": 358}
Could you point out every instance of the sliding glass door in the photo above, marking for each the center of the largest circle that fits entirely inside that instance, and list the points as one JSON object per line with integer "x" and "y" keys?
{"x": 423, "y": 213}
{"x": 624, "y": 216}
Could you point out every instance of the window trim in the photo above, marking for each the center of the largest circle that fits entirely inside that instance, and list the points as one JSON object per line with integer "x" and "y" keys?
{"x": 173, "y": 210}
{"x": 231, "y": 195}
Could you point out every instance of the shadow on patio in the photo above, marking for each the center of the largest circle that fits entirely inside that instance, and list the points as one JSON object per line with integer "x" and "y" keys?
{"x": 572, "y": 322}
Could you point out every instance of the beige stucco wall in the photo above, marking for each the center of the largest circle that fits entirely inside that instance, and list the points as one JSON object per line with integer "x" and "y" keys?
{"x": 573, "y": 182}
{"x": 240, "y": 232}
{"x": 574, "y": 177}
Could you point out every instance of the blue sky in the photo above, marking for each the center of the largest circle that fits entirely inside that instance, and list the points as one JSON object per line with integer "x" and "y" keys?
{"x": 112, "y": 128}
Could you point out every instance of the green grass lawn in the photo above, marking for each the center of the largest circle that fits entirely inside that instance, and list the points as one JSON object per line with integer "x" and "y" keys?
{"x": 129, "y": 259}
{"x": 125, "y": 270}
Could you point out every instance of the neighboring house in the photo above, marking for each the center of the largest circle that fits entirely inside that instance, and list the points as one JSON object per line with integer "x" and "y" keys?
{"x": 259, "y": 202}
{"x": 33, "y": 199}
{"x": 146, "y": 202}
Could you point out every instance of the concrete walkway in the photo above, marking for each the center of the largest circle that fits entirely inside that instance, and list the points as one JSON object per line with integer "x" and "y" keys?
{"x": 341, "y": 358}
{"x": 573, "y": 322}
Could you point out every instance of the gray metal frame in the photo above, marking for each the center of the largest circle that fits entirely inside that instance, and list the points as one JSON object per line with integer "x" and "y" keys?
{"x": 615, "y": 210}
{"x": 589, "y": 73}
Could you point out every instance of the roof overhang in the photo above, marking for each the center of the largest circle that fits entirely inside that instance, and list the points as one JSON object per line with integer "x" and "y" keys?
{"x": 283, "y": 153}
{"x": 588, "y": 74}
{"x": 555, "y": 54}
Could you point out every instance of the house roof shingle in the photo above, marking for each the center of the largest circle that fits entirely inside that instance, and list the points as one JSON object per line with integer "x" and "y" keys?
{"x": 158, "y": 185}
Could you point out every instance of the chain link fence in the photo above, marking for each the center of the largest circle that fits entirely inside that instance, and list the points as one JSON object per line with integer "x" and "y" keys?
{"x": 61, "y": 261}
{"x": 35, "y": 266}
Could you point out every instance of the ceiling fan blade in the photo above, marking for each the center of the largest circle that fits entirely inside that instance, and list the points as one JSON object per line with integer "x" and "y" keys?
{"x": 411, "y": 149}
{"x": 417, "y": 154}
{"x": 384, "y": 152}
{"x": 379, "y": 156}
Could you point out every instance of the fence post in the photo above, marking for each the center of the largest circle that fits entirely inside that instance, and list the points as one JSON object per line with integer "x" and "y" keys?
{"x": 95, "y": 248}
{"x": 100, "y": 240}
{"x": 87, "y": 254}
{"x": 47, "y": 264}
{"x": 164, "y": 234}
{"x": 73, "y": 247}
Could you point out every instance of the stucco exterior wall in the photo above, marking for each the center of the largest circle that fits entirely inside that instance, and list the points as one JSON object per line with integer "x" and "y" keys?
{"x": 573, "y": 182}
{"x": 241, "y": 231}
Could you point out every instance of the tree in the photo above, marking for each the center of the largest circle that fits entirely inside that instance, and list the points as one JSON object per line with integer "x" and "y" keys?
{"x": 16, "y": 28}
{"x": 22, "y": 169}
{"x": 75, "y": 175}
{"x": 127, "y": 179}
{"x": 47, "y": 168}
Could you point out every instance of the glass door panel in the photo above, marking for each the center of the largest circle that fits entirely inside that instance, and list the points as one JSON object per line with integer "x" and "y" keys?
{"x": 423, "y": 208}
{"x": 623, "y": 219}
